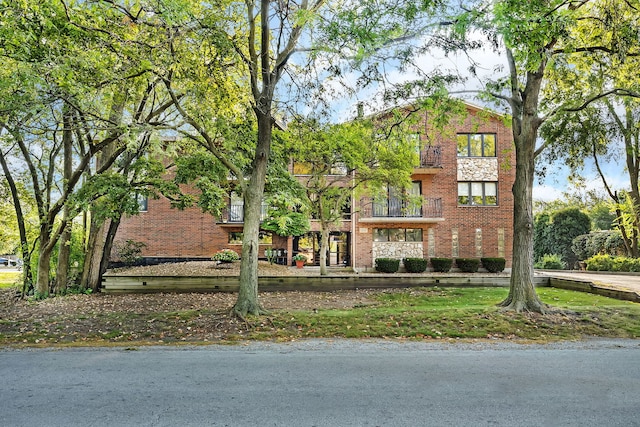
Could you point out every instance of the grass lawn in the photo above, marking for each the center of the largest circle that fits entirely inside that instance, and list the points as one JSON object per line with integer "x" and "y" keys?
{"x": 439, "y": 313}
{"x": 9, "y": 279}
{"x": 466, "y": 313}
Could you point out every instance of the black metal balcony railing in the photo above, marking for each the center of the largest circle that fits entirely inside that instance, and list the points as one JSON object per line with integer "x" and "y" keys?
{"x": 396, "y": 208}
{"x": 431, "y": 157}
{"x": 235, "y": 213}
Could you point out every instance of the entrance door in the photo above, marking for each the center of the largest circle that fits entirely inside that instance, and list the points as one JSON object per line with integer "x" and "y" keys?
{"x": 339, "y": 244}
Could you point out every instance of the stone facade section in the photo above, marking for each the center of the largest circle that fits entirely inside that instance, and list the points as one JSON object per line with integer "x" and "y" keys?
{"x": 397, "y": 250}
{"x": 478, "y": 169}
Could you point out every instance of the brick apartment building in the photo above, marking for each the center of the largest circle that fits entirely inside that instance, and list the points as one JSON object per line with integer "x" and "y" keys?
{"x": 464, "y": 180}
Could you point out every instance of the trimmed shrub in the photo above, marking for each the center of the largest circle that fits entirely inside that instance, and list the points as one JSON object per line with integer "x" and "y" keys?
{"x": 225, "y": 255}
{"x": 415, "y": 265}
{"x": 610, "y": 263}
{"x": 493, "y": 265}
{"x": 387, "y": 265}
{"x": 468, "y": 265}
{"x": 550, "y": 262}
{"x": 600, "y": 263}
{"x": 441, "y": 265}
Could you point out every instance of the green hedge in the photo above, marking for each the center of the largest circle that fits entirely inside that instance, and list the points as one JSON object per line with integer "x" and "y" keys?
{"x": 493, "y": 265}
{"x": 387, "y": 265}
{"x": 550, "y": 262}
{"x": 468, "y": 265}
{"x": 611, "y": 263}
{"x": 415, "y": 265}
{"x": 441, "y": 265}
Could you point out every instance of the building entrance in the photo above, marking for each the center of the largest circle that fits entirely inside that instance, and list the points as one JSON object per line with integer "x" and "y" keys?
{"x": 339, "y": 244}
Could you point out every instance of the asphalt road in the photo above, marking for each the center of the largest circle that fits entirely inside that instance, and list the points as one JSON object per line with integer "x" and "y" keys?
{"x": 325, "y": 383}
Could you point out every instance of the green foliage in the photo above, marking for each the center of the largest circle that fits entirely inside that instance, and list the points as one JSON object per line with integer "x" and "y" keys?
{"x": 608, "y": 242}
{"x": 605, "y": 262}
{"x": 271, "y": 255}
{"x": 555, "y": 233}
{"x": 468, "y": 265}
{"x": 129, "y": 251}
{"x": 493, "y": 265}
{"x": 441, "y": 265}
{"x": 300, "y": 257}
{"x": 600, "y": 263}
{"x": 550, "y": 262}
{"x": 387, "y": 265}
{"x": 415, "y": 265}
{"x": 225, "y": 255}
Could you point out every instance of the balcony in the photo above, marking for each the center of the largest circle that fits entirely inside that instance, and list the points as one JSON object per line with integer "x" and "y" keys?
{"x": 396, "y": 210}
{"x": 234, "y": 214}
{"x": 430, "y": 160}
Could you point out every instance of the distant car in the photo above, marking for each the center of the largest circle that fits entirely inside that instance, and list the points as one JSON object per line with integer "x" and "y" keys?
{"x": 4, "y": 261}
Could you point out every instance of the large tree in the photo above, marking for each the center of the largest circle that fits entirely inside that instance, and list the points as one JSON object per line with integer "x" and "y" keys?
{"x": 73, "y": 88}
{"x": 253, "y": 43}
{"x": 537, "y": 37}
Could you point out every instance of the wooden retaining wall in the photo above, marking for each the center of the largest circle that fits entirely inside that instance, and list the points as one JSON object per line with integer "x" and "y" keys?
{"x": 148, "y": 284}
{"x": 586, "y": 286}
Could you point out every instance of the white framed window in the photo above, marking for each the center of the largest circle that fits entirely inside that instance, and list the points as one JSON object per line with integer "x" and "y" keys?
{"x": 477, "y": 193}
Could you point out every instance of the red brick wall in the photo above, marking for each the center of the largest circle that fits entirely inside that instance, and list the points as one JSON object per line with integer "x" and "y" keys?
{"x": 191, "y": 233}
{"x": 170, "y": 232}
{"x": 443, "y": 184}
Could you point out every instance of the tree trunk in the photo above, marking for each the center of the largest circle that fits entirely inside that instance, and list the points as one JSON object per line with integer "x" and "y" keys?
{"x": 522, "y": 294}
{"x": 247, "y": 302}
{"x": 64, "y": 256}
{"x": 106, "y": 252}
{"x": 27, "y": 279}
{"x": 93, "y": 257}
{"x": 324, "y": 248}
{"x": 64, "y": 243}
{"x": 44, "y": 263}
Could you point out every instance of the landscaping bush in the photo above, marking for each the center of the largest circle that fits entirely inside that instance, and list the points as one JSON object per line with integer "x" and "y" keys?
{"x": 493, "y": 265}
{"x": 129, "y": 251}
{"x": 550, "y": 262}
{"x": 387, "y": 265}
{"x": 610, "y": 263}
{"x": 600, "y": 263}
{"x": 468, "y": 265}
{"x": 415, "y": 265}
{"x": 441, "y": 265}
{"x": 225, "y": 255}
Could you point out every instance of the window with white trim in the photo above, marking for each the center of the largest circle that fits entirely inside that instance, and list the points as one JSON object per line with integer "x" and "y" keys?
{"x": 477, "y": 193}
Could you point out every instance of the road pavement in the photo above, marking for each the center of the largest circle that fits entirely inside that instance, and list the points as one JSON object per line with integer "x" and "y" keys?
{"x": 325, "y": 383}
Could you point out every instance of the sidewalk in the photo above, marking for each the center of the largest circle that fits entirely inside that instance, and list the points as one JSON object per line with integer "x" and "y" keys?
{"x": 628, "y": 285}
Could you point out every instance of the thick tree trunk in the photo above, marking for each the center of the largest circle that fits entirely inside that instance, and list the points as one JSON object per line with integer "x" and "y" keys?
{"x": 522, "y": 294}
{"x": 106, "y": 252}
{"x": 93, "y": 257}
{"x": 44, "y": 264}
{"x": 64, "y": 256}
{"x": 247, "y": 302}
{"x": 64, "y": 243}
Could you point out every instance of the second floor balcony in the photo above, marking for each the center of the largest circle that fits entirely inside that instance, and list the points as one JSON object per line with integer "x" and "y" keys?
{"x": 428, "y": 210}
{"x": 234, "y": 213}
{"x": 430, "y": 160}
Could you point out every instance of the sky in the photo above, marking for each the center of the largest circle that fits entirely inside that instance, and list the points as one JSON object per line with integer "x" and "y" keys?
{"x": 555, "y": 183}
